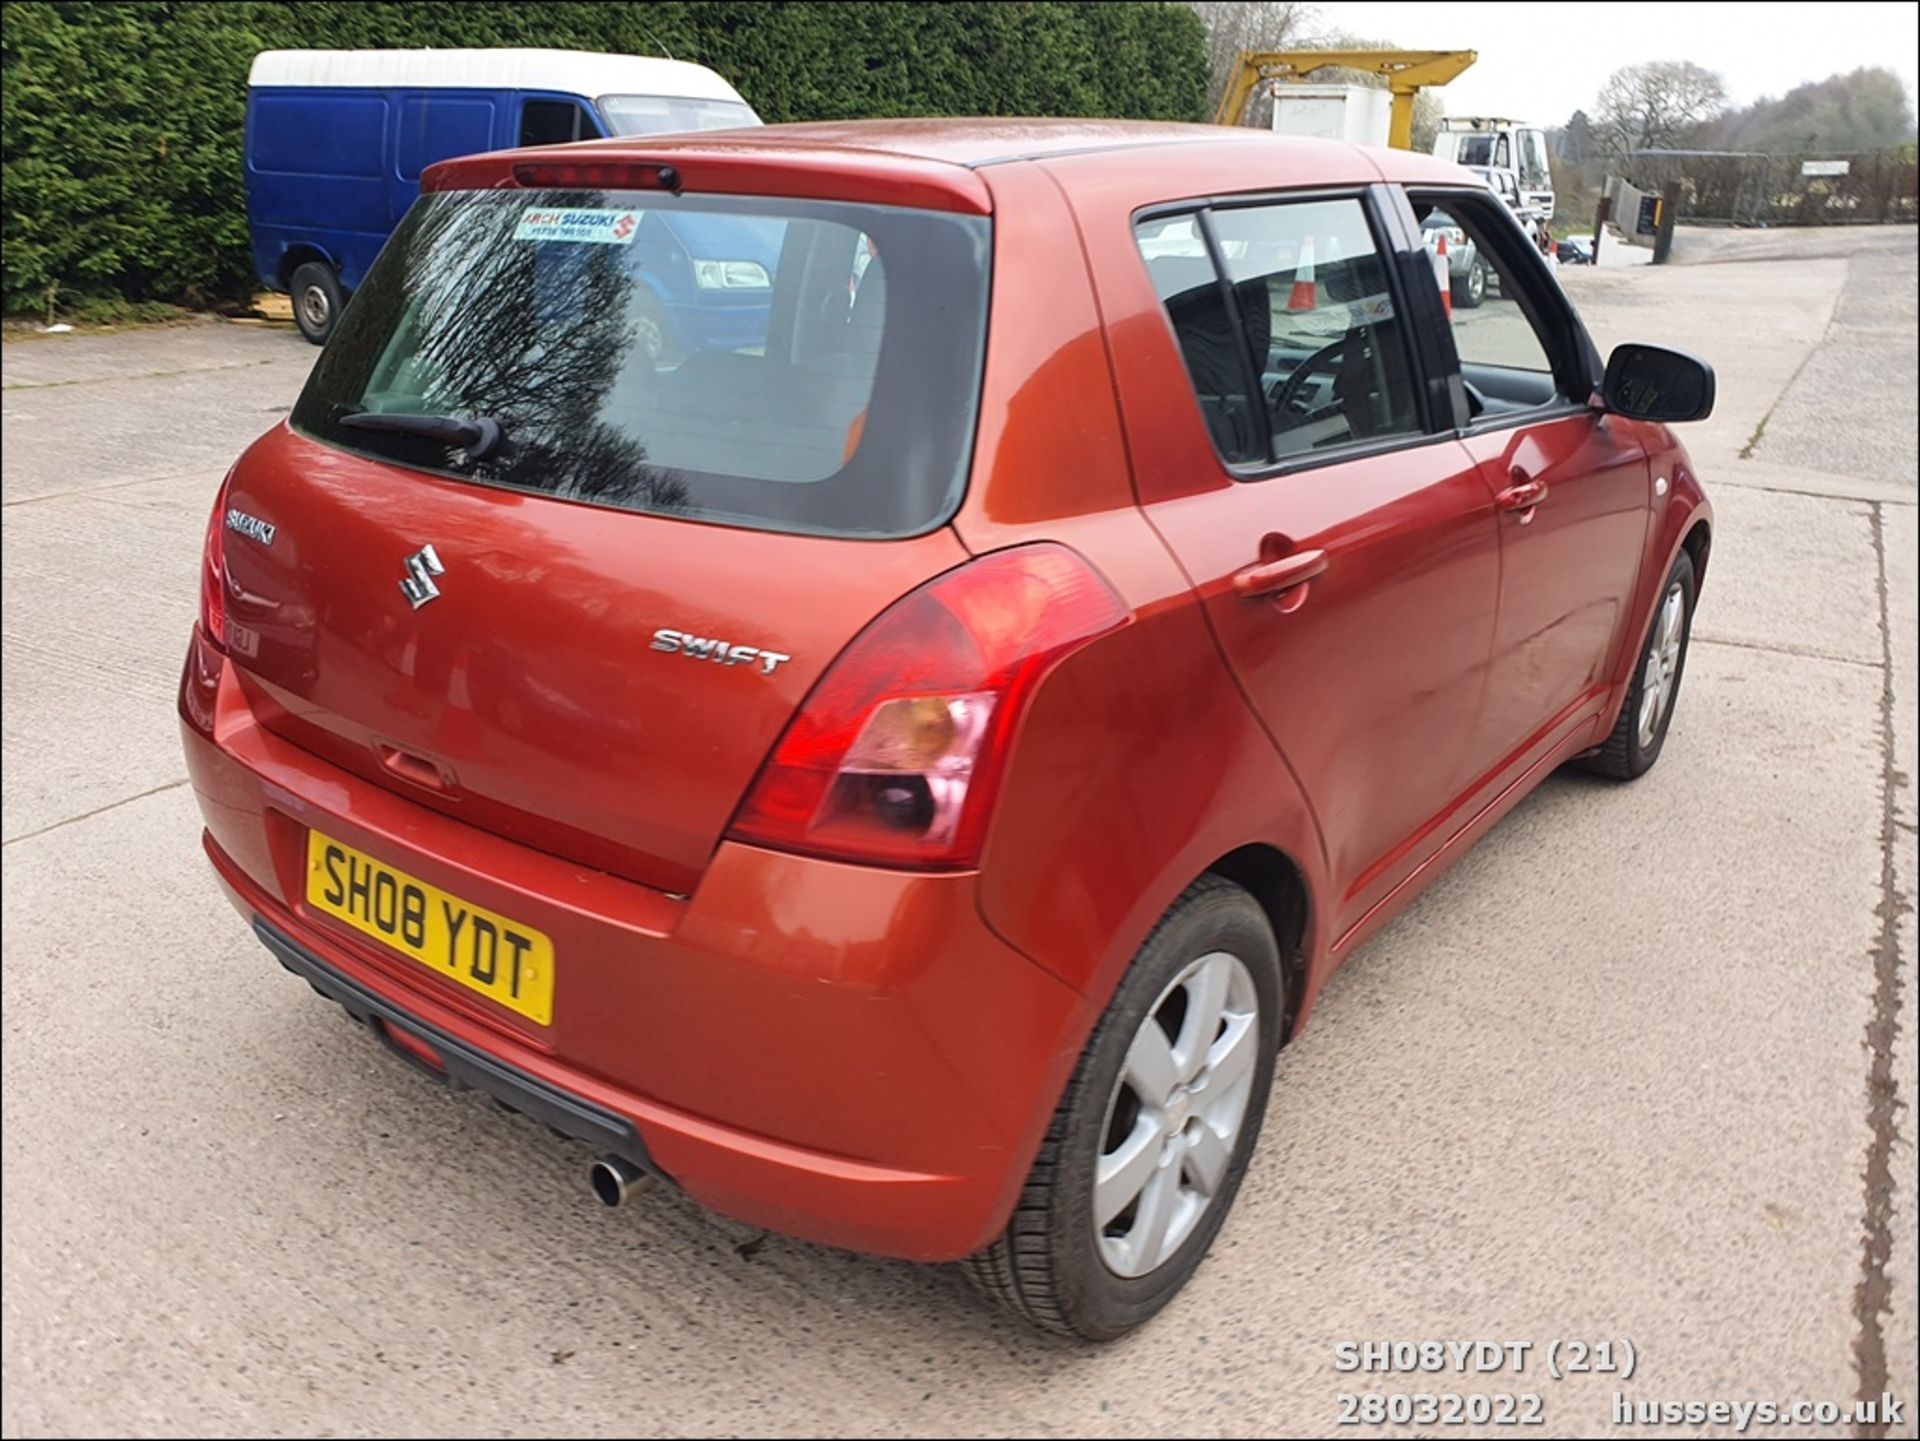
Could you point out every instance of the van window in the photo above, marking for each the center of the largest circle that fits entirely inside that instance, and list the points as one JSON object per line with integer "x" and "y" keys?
{"x": 554, "y": 122}
{"x": 662, "y": 114}
{"x": 1475, "y": 150}
{"x": 792, "y": 365}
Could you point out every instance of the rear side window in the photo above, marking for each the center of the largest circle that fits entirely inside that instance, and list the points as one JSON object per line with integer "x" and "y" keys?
{"x": 792, "y": 365}
{"x": 1298, "y": 347}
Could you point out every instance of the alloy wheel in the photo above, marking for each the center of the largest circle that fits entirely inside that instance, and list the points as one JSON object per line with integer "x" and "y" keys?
{"x": 1173, "y": 1121}
{"x": 1662, "y": 666}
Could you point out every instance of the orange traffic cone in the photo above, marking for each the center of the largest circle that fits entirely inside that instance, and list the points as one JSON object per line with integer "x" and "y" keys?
{"x": 1303, "y": 296}
{"x": 1442, "y": 274}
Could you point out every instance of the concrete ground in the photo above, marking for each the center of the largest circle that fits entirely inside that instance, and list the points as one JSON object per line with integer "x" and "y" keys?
{"x": 1641, "y": 1068}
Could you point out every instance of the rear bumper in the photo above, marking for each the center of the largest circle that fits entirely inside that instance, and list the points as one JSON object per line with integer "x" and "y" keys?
{"x": 842, "y": 1054}
{"x": 461, "y": 1065}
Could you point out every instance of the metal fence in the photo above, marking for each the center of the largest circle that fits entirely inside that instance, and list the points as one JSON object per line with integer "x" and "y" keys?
{"x": 1752, "y": 189}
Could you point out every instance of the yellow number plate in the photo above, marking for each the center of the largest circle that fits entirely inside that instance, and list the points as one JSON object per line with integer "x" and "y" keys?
{"x": 481, "y": 949}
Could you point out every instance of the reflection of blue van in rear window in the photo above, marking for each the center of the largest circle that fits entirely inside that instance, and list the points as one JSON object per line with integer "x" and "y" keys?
{"x": 336, "y": 141}
{"x": 708, "y": 281}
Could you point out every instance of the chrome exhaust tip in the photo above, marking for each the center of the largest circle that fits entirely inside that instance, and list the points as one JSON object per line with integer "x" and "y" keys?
{"x": 615, "y": 1180}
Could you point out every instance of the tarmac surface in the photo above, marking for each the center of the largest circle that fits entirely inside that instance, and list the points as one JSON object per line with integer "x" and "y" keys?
{"x": 1641, "y": 1068}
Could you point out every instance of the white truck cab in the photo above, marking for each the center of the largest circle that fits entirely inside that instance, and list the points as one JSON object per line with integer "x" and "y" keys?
{"x": 1498, "y": 144}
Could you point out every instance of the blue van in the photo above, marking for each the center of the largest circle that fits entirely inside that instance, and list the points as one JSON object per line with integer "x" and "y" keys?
{"x": 336, "y": 141}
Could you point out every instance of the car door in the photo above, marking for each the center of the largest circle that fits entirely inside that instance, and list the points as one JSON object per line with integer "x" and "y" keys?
{"x": 1339, "y": 538}
{"x": 1570, "y": 483}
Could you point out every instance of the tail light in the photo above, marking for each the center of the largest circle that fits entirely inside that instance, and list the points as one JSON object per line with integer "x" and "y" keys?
{"x": 213, "y": 572}
{"x": 896, "y": 755}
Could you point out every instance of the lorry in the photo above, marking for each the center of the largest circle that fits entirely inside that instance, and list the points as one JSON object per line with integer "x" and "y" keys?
{"x": 1494, "y": 143}
{"x": 336, "y": 141}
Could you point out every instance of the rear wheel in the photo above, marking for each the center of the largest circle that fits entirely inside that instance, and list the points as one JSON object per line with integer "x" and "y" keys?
{"x": 1641, "y": 730}
{"x": 317, "y": 299}
{"x": 1149, "y": 1144}
{"x": 653, "y": 332}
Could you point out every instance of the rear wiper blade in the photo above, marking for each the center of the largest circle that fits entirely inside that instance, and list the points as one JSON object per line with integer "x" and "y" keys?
{"x": 477, "y": 436}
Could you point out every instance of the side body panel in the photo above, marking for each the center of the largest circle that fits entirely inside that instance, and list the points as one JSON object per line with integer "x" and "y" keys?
{"x": 1092, "y": 841}
{"x": 1370, "y": 678}
{"x": 1569, "y": 568}
{"x": 317, "y": 175}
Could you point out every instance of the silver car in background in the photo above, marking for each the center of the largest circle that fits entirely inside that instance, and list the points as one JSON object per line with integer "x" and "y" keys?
{"x": 1466, "y": 271}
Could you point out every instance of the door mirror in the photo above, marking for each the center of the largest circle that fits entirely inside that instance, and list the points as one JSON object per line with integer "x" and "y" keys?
{"x": 1650, "y": 382}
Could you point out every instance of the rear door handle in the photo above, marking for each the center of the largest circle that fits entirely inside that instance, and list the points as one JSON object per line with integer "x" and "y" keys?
{"x": 1270, "y": 577}
{"x": 1523, "y": 494}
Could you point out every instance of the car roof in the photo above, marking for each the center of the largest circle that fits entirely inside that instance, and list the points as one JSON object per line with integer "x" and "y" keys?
{"x": 997, "y": 140}
{"x": 929, "y": 159}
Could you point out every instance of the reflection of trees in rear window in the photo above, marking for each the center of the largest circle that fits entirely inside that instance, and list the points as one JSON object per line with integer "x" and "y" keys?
{"x": 700, "y": 357}
{"x": 498, "y": 328}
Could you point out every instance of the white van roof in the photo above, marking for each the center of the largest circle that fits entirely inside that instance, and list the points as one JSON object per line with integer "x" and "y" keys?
{"x": 571, "y": 72}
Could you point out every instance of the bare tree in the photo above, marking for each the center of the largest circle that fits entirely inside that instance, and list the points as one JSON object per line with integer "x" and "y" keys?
{"x": 1656, "y": 105}
{"x": 1237, "y": 25}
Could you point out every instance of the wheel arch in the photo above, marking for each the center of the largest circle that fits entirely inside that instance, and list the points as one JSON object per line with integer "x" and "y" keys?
{"x": 1698, "y": 543}
{"x": 1274, "y": 880}
{"x": 297, "y": 255}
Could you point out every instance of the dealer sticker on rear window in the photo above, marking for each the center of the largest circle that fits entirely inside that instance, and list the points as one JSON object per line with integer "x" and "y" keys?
{"x": 582, "y": 227}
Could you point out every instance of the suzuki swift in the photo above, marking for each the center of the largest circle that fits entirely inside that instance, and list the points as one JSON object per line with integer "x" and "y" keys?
{"x": 901, "y": 773}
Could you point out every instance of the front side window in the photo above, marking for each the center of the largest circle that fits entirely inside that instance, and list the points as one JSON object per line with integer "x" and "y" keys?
{"x": 1498, "y": 332}
{"x": 1301, "y": 349}
{"x": 554, "y": 122}
{"x": 786, "y": 364}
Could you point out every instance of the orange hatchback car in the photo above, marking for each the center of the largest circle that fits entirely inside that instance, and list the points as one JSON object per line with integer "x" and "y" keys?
{"x": 901, "y": 775}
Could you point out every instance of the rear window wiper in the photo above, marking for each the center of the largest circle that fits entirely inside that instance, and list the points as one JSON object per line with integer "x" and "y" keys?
{"x": 477, "y": 436}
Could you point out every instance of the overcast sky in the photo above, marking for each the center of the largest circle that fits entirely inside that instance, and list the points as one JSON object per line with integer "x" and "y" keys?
{"x": 1542, "y": 60}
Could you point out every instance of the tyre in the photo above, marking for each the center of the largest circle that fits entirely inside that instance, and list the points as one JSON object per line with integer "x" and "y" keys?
{"x": 317, "y": 299}
{"x": 1641, "y": 729}
{"x": 1147, "y": 1149}
{"x": 653, "y": 332}
{"x": 1470, "y": 289}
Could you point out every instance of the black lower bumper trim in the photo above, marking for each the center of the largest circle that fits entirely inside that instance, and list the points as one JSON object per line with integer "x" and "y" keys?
{"x": 464, "y": 1066}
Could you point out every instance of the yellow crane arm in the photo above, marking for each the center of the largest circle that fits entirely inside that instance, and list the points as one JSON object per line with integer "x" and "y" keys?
{"x": 1407, "y": 73}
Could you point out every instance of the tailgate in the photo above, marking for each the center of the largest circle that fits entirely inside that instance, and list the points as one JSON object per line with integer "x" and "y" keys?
{"x": 601, "y": 684}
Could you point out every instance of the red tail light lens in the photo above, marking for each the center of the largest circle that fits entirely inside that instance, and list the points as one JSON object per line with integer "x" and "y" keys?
{"x": 896, "y": 755}
{"x": 213, "y": 572}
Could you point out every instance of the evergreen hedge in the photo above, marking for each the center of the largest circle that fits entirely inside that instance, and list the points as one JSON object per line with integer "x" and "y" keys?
{"x": 123, "y": 119}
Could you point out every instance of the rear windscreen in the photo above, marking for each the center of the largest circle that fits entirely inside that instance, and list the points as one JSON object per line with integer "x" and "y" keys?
{"x": 785, "y": 364}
